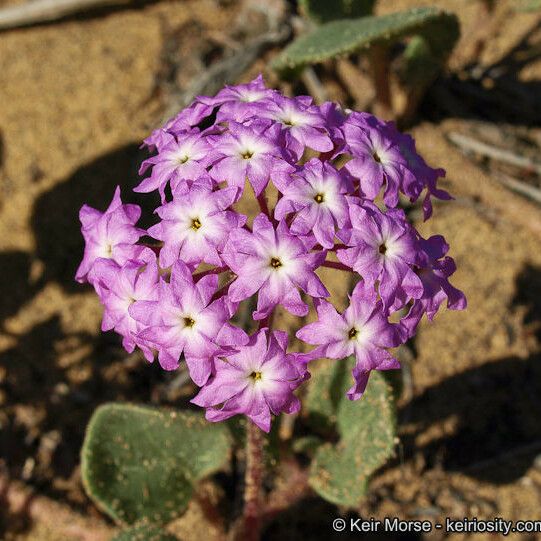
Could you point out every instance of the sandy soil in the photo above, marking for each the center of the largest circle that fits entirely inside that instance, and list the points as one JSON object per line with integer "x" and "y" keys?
{"x": 76, "y": 98}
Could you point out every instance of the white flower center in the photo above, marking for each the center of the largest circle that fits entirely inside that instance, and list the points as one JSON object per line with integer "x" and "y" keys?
{"x": 380, "y": 155}
{"x": 388, "y": 247}
{"x": 106, "y": 250}
{"x": 251, "y": 95}
{"x": 290, "y": 117}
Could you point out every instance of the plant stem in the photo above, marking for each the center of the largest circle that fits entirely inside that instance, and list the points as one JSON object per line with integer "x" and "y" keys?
{"x": 216, "y": 270}
{"x": 262, "y": 200}
{"x": 334, "y": 265}
{"x": 253, "y": 502}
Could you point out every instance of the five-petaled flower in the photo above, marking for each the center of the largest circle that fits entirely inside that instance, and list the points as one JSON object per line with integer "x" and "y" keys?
{"x": 257, "y": 380}
{"x": 272, "y": 263}
{"x": 383, "y": 249}
{"x": 181, "y": 161}
{"x": 110, "y": 235}
{"x": 195, "y": 225}
{"x": 186, "y": 319}
{"x": 362, "y": 330}
{"x": 247, "y": 153}
{"x": 317, "y": 196}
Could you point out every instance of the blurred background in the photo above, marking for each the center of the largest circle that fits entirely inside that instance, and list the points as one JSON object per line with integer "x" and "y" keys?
{"x": 77, "y": 96}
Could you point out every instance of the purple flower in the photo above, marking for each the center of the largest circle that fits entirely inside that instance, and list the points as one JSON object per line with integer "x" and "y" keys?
{"x": 376, "y": 157}
{"x": 317, "y": 196}
{"x": 201, "y": 161}
{"x": 257, "y": 380}
{"x": 304, "y": 124}
{"x": 362, "y": 330}
{"x": 247, "y": 153}
{"x": 178, "y": 160}
{"x": 186, "y": 319}
{"x": 274, "y": 263}
{"x": 430, "y": 178}
{"x": 119, "y": 288}
{"x": 110, "y": 235}
{"x": 157, "y": 139}
{"x": 418, "y": 175}
{"x": 240, "y": 102}
{"x": 195, "y": 225}
{"x": 187, "y": 119}
{"x": 436, "y": 287}
{"x": 383, "y": 248}
{"x": 334, "y": 117}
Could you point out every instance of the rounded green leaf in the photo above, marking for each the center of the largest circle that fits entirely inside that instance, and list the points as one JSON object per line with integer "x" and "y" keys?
{"x": 343, "y": 37}
{"x": 306, "y": 444}
{"x": 144, "y": 532}
{"x": 141, "y": 463}
{"x": 325, "y": 394}
{"x": 340, "y": 472}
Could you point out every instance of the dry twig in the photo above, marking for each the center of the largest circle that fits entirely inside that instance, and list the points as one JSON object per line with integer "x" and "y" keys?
{"x": 41, "y": 11}
{"x": 314, "y": 86}
{"x": 522, "y": 188}
{"x": 356, "y": 83}
{"x": 499, "y": 154}
{"x": 471, "y": 181}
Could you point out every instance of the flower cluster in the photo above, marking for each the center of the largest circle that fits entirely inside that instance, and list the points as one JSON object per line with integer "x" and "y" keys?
{"x": 338, "y": 178}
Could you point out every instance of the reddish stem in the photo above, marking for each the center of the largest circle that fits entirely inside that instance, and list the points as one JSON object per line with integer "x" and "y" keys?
{"x": 223, "y": 289}
{"x": 318, "y": 247}
{"x": 262, "y": 200}
{"x": 254, "y": 506}
{"x": 154, "y": 247}
{"x": 333, "y": 265}
{"x": 267, "y": 322}
{"x": 326, "y": 156}
{"x": 216, "y": 270}
{"x": 253, "y": 500}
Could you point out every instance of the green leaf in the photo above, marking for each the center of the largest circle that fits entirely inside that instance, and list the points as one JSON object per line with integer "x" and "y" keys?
{"x": 323, "y": 11}
{"x": 340, "y": 472}
{"x": 144, "y": 532}
{"x": 306, "y": 445}
{"x": 325, "y": 394}
{"x": 142, "y": 463}
{"x": 343, "y": 37}
{"x": 420, "y": 63}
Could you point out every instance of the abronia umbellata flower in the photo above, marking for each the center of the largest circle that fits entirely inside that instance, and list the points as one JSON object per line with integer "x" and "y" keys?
{"x": 179, "y": 295}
